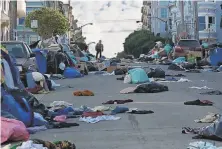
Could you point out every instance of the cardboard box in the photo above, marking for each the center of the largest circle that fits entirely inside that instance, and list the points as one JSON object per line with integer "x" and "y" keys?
{"x": 110, "y": 69}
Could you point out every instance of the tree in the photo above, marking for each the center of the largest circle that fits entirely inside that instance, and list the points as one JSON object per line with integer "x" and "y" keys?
{"x": 50, "y": 22}
{"x": 140, "y": 42}
{"x": 121, "y": 54}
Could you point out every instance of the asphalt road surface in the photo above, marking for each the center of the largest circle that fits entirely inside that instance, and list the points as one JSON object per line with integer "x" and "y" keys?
{"x": 160, "y": 130}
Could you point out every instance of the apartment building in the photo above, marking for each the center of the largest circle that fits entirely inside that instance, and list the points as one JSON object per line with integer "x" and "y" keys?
{"x": 209, "y": 16}
{"x": 159, "y": 17}
{"x": 146, "y": 14}
{"x": 209, "y": 20}
{"x": 5, "y": 20}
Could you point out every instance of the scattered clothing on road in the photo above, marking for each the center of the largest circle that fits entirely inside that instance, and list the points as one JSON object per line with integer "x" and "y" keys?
{"x": 156, "y": 73}
{"x": 151, "y": 88}
{"x": 61, "y": 118}
{"x": 102, "y": 108}
{"x": 83, "y": 93}
{"x": 128, "y": 90}
{"x": 35, "y": 129}
{"x": 98, "y": 119}
{"x": 119, "y": 110}
{"x": 199, "y": 88}
{"x": 210, "y": 118}
{"x": 177, "y": 75}
{"x": 202, "y": 145}
{"x": 187, "y": 130}
{"x": 193, "y": 71}
{"x": 92, "y": 114}
{"x": 141, "y": 112}
{"x": 121, "y": 78}
{"x": 199, "y": 103}
{"x": 176, "y": 67}
{"x": 53, "y": 125}
{"x": 216, "y": 92}
{"x": 30, "y": 145}
{"x": 118, "y": 101}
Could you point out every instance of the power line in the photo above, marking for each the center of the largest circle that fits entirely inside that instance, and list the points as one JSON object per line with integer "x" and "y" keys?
{"x": 122, "y": 31}
{"x": 108, "y": 21}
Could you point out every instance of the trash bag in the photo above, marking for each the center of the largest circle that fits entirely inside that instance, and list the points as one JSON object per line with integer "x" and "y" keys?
{"x": 151, "y": 87}
{"x": 71, "y": 73}
{"x": 127, "y": 78}
{"x": 120, "y": 71}
{"x": 138, "y": 75}
{"x": 179, "y": 60}
{"x": 189, "y": 66}
{"x": 156, "y": 73}
{"x": 13, "y": 130}
{"x": 175, "y": 67}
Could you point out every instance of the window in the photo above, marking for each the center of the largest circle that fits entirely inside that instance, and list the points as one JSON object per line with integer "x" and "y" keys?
{"x": 163, "y": 12}
{"x": 211, "y": 22}
{"x": 202, "y": 23}
{"x": 21, "y": 21}
{"x": 163, "y": 3}
{"x": 4, "y": 5}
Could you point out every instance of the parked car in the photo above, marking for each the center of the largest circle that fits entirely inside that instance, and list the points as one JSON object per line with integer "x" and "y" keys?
{"x": 186, "y": 46}
{"x": 25, "y": 58}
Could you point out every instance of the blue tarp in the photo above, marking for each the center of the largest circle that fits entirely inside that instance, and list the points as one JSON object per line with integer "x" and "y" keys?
{"x": 216, "y": 56}
{"x": 138, "y": 75}
{"x": 41, "y": 58}
{"x": 179, "y": 60}
{"x": 71, "y": 73}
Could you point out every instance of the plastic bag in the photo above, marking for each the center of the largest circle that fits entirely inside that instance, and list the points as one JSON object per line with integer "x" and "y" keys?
{"x": 127, "y": 78}
{"x": 13, "y": 130}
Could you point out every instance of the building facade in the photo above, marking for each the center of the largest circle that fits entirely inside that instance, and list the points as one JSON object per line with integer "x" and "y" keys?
{"x": 5, "y": 20}
{"x": 146, "y": 14}
{"x": 26, "y": 34}
{"x": 159, "y": 17}
{"x": 209, "y": 18}
{"x": 176, "y": 29}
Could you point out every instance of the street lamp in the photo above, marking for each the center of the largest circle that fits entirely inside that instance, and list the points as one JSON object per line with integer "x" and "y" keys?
{"x": 91, "y": 43}
{"x": 79, "y": 28}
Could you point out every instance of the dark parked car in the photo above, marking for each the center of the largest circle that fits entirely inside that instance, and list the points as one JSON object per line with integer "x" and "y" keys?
{"x": 25, "y": 58}
{"x": 186, "y": 46}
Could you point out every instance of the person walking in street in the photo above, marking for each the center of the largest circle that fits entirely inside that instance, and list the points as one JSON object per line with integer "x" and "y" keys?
{"x": 99, "y": 49}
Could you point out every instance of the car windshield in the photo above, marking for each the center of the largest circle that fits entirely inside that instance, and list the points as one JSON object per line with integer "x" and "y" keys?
{"x": 188, "y": 43}
{"x": 15, "y": 49}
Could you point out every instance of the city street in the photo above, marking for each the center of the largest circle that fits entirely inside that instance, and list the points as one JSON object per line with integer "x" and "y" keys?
{"x": 160, "y": 130}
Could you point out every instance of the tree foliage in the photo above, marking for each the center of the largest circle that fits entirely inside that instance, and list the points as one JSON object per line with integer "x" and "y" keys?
{"x": 121, "y": 54}
{"x": 50, "y": 22}
{"x": 140, "y": 42}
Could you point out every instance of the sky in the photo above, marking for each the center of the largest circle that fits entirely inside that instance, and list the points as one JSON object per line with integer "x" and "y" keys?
{"x": 112, "y": 22}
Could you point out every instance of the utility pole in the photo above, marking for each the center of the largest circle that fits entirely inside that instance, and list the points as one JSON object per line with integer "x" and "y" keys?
{"x": 182, "y": 14}
{"x": 196, "y": 21}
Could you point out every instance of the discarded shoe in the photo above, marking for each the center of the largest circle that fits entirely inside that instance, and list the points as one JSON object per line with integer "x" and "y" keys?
{"x": 199, "y": 103}
{"x": 118, "y": 101}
